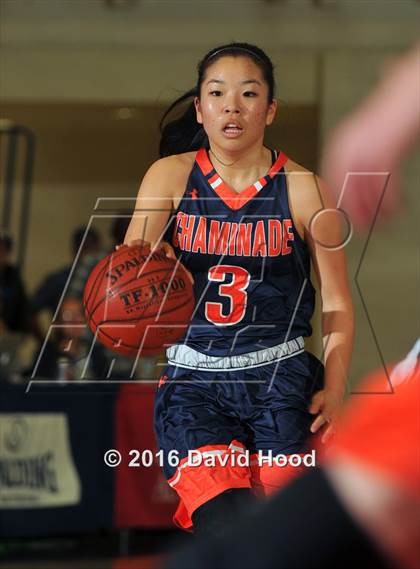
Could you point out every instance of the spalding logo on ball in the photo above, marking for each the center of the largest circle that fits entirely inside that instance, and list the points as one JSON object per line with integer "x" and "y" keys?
{"x": 137, "y": 302}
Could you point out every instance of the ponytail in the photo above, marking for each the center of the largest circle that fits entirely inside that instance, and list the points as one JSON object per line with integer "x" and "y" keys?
{"x": 183, "y": 134}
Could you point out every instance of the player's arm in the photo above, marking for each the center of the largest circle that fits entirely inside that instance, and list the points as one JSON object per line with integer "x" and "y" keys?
{"x": 154, "y": 202}
{"x": 163, "y": 182}
{"x": 325, "y": 235}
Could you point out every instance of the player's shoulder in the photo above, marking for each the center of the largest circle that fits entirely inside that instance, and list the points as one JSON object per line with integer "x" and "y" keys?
{"x": 301, "y": 177}
{"x": 175, "y": 169}
{"x": 175, "y": 163}
{"x": 307, "y": 190}
{"x": 294, "y": 167}
{"x": 168, "y": 175}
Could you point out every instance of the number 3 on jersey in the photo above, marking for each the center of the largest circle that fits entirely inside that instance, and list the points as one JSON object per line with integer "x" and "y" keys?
{"x": 234, "y": 290}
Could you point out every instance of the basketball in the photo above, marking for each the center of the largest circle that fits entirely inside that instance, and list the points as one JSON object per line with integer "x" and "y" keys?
{"x": 137, "y": 302}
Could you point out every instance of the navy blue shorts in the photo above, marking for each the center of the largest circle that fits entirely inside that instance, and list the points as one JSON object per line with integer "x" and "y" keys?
{"x": 252, "y": 410}
{"x": 265, "y": 407}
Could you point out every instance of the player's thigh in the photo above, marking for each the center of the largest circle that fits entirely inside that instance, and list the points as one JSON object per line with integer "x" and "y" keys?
{"x": 281, "y": 419}
{"x": 200, "y": 440}
{"x": 280, "y": 423}
{"x": 188, "y": 416}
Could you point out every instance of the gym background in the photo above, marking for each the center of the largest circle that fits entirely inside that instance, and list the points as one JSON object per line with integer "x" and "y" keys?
{"x": 91, "y": 79}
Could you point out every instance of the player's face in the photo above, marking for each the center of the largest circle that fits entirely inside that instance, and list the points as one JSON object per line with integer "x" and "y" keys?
{"x": 234, "y": 91}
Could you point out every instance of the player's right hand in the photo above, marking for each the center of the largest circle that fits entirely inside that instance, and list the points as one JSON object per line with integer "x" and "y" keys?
{"x": 167, "y": 248}
{"x": 133, "y": 243}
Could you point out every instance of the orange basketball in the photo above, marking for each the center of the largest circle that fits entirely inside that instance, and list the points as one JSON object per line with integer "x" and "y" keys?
{"x": 138, "y": 302}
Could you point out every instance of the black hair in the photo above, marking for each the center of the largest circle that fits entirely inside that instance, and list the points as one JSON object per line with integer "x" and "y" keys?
{"x": 119, "y": 228}
{"x": 6, "y": 240}
{"x": 185, "y": 133}
{"x": 92, "y": 238}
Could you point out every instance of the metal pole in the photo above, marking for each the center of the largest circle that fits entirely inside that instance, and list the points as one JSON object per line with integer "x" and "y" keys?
{"x": 9, "y": 177}
{"x": 26, "y": 197}
{"x": 12, "y": 132}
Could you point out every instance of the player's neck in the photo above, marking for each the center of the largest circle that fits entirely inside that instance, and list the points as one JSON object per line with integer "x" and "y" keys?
{"x": 243, "y": 167}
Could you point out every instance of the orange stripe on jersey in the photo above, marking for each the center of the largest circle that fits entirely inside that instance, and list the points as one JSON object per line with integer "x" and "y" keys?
{"x": 203, "y": 161}
{"x": 278, "y": 164}
{"x": 230, "y": 197}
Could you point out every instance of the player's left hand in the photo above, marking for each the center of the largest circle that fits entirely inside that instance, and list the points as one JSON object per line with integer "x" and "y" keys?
{"x": 326, "y": 404}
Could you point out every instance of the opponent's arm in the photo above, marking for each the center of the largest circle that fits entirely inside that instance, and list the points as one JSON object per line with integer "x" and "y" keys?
{"x": 325, "y": 235}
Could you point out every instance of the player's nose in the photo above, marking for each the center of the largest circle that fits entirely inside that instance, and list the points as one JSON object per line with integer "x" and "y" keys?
{"x": 231, "y": 105}
{"x": 231, "y": 109}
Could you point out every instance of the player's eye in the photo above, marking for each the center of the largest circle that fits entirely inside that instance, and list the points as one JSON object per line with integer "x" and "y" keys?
{"x": 250, "y": 94}
{"x": 217, "y": 93}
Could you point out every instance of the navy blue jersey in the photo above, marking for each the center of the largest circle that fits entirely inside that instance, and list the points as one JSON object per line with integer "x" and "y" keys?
{"x": 251, "y": 268}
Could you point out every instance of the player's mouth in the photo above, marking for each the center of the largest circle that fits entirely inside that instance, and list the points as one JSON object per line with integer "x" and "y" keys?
{"x": 232, "y": 129}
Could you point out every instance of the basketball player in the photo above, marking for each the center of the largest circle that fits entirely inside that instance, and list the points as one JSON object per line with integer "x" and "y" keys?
{"x": 241, "y": 380}
{"x": 361, "y": 509}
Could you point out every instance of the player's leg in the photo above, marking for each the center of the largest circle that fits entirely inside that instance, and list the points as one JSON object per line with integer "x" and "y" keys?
{"x": 222, "y": 511}
{"x": 201, "y": 436}
{"x": 281, "y": 421}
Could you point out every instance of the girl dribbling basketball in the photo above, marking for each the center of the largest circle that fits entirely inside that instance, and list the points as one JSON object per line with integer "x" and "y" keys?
{"x": 243, "y": 223}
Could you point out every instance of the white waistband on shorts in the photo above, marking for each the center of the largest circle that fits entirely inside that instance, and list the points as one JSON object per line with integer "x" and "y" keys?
{"x": 184, "y": 356}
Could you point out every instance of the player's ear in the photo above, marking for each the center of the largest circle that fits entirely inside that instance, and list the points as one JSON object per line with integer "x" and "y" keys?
{"x": 271, "y": 112}
{"x": 197, "y": 105}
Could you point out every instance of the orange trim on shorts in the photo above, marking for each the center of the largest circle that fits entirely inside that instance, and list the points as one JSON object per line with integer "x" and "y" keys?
{"x": 196, "y": 485}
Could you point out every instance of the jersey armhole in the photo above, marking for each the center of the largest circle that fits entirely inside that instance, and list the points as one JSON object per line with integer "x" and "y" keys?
{"x": 174, "y": 210}
{"x": 288, "y": 207}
